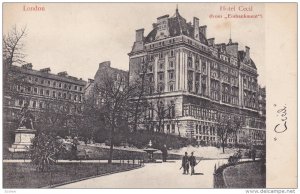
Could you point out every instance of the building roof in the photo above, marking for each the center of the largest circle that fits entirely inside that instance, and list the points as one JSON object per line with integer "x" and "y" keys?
{"x": 177, "y": 25}
{"x": 241, "y": 57}
{"x": 47, "y": 75}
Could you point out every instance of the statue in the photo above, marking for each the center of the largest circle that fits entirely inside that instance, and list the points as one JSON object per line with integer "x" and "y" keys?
{"x": 25, "y": 131}
{"x": 27, "y": 118}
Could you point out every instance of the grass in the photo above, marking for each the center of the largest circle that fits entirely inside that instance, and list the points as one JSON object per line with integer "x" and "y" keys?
{"x": 24, "y": 175}
{"x": 245, "y": 175}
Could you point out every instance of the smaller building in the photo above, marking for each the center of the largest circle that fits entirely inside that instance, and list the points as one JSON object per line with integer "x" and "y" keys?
{"x": 105, "y": 71}
{"x": 38, "y": 89}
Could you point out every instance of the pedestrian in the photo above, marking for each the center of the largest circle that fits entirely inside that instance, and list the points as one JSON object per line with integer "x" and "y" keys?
{"x": 164, "y": 151}
{"x": 253, "y": 154}
{"x": 192, "y": 161}
{"x": 185, "y": 163}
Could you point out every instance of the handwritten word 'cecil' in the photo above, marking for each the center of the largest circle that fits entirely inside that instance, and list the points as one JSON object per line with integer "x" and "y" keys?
{"x": 282, "y": 126}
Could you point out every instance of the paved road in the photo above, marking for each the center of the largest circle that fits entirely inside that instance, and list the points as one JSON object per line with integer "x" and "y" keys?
{"x": 155, "y": 175}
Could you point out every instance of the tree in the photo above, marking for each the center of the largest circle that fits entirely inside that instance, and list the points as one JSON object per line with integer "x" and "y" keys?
{"x": 13, "y": 49}
{"x": 114, "y": 95}
{"x": 139, "y": 84}
{"x": 237, "y": 125}
{"x": 224, "y": 129}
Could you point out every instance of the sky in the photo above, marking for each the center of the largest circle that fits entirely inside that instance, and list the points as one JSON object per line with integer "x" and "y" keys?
{"x": 76, "y": 37}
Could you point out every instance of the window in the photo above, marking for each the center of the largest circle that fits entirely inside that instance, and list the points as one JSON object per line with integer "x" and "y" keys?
{"x": 171, "y": 75}
{"x": 59, "y": 85}
{"x": 70, "y": 87}
{"x": 80, "y": 98}
{"x": 160, "y": 55}
{"x": 173, "y": 128}
{"x": 49, "y": 82}
{"x": 75, "y": 87}
{"x": 171, "y": 64}
{"x": 70, "y": 96}
{"x": 36, "y": 79}
{"x": 161, "y": 88}
{"x": 21, "y": 102}
{"x": 65, "y": 95}
{"x": 42, "y": 81}
{"x": 41, "y": 105}
{"x": 171, "y": 88}
{"x": 65, "y": 86}
{"x": 161, "y": 65}
{"x": 47, "y": 92}
{"x": 54, "y": 94}
{"x": 35, "y": 90}
{"x": 80, "y": 88}
{"x": 59, "y": 94}
{"x": 161, "y": 76}
{"x": 75, "y": 97}
{"x": 28, "y": 89}
{"x": 41, "y": 92}
{"x": 54, "y": 84}
{"x": 150, "y": 78}
{"x": 172, "y": 53}
{"x": 34, "y": 104}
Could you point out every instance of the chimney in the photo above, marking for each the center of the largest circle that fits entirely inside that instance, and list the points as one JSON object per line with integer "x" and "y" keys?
{"x": 196, "y": 28}
{"x": 139, "y": 35}
{"x": 247, "y": 50}
{"x": 211, "y": 42}
{"x": 63, "y": 73}
{"x": 203, "y": 30}
{"x": 90, "y": 80}
{"x": 27, "y": 66}
{"x": 45, "y": 70}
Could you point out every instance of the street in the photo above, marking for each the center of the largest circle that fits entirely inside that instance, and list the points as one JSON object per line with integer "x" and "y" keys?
{"x": 155, "y": 175}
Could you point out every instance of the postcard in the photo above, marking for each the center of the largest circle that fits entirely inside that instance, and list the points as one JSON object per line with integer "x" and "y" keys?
{"x": 149, "y": 95}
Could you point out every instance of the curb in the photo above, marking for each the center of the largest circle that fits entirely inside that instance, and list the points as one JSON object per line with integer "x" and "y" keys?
{"x": 90, "y": 177}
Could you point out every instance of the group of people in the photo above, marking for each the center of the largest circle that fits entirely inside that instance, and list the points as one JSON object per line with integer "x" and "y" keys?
{"x": 188, "y": 161}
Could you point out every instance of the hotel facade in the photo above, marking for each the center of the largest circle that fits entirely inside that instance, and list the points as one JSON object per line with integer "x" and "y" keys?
{"x": 199, "y": 80}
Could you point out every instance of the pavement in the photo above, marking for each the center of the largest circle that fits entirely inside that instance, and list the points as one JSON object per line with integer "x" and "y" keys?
{"x": 155, "y": 175}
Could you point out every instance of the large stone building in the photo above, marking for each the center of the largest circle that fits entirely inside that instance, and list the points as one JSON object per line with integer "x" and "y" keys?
{"x": 37, "y": 88}
{"x": 105, "y": 71}
{"x": 198, "y": 79}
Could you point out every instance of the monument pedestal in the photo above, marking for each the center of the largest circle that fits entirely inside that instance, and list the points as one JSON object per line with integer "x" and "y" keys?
{"x": 23, "y": 138}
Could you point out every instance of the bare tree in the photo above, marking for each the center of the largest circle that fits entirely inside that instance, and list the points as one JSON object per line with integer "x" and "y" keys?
{"x": 224, "y": 129}
{"x": 114, "y": 96}
{"x": 13, "y": 53}
{"x": 13, "y": 47}
{"x": 139, "y": 102}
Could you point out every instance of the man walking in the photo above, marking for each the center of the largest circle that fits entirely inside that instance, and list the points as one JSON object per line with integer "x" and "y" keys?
{"x": 164, "y": 151}
{"x": 192, "y": 161}
{"x": 185, "y": 163}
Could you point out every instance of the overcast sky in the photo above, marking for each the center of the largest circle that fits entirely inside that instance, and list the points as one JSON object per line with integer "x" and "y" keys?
{"x": 77, "y": 37}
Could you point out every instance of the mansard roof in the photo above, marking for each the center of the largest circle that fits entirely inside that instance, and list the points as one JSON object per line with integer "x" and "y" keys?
{"x": 177, "y": 25}
{"x": 241, "y": 57}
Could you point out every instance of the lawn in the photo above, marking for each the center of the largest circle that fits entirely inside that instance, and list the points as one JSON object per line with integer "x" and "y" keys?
{"x": 245, "y": 175}
{"x": 24, "y": 175}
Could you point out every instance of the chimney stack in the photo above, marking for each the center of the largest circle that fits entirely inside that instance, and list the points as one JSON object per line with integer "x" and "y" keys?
{"x": 203, "y": 30}
{"x": 247, "y": 50}
{"x": 139, "y": 35}
{"x": 45, "y": 70}
{"x": 196, "y": 28}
